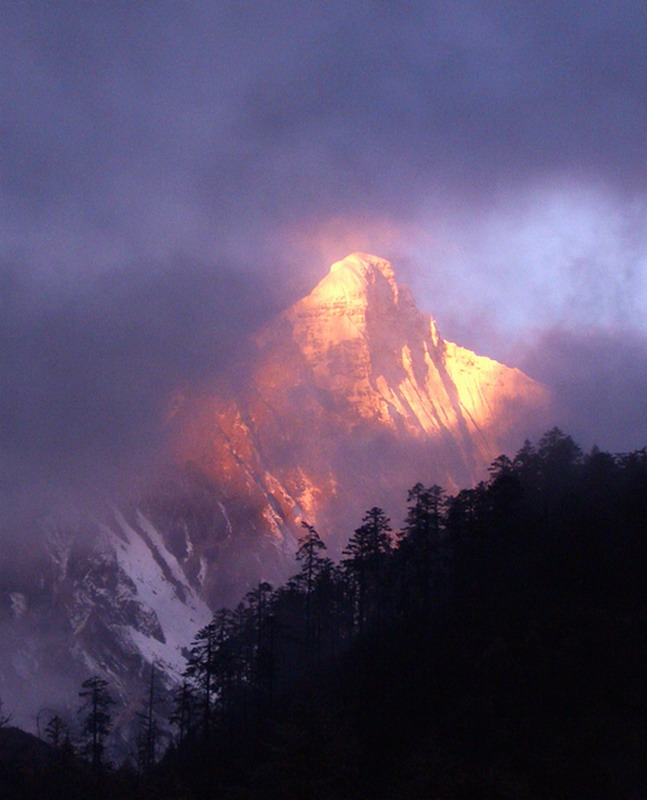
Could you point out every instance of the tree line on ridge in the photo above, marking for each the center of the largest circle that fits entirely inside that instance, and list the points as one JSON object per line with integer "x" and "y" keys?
{"x": 494, "y": 646}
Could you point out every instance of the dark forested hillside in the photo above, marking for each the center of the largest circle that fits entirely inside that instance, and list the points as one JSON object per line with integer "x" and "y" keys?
{"x": 494, "y": 647}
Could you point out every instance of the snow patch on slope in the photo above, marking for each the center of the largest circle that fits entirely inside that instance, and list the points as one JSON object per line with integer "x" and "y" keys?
{"x": 174, "y": 604}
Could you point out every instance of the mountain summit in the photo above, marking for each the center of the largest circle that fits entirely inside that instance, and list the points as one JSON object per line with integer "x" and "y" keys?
{"x": 366, "y": 342}
{"x": 357, "y": 275}
{"x": 353, "y": 397}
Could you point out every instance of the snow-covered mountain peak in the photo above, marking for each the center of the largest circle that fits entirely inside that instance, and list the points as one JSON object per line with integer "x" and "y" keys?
{"x": 357, "y": 279}
{"x": 360, "y": 342}
{"x": 352, "y": 397}
{"x": 365, "y": 265}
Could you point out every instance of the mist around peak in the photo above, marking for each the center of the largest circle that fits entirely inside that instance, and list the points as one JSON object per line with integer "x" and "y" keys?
{"x": 495, "y": 154}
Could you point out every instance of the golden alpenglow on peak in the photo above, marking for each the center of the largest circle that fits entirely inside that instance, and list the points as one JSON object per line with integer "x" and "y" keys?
{"x": 354, "y": 277}
{"x": 353, "y": 398}
{"x": 364, "y": 265}
{"x": 370, "y": 347}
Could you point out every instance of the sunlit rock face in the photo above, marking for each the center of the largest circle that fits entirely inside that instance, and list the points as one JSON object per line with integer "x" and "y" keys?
{"x": 353, "y": 397}
{"x": 369, "y": 345}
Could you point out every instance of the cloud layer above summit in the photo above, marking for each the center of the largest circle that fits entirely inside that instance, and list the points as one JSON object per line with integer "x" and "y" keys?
{"x": 496, "y": 151}
{"x": 144, "y": 129}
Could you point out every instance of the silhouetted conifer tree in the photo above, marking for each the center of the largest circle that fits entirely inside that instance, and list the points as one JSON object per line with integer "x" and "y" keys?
{"x": 200, "y": 669}
{"x": 420, "y": 555}
{"x": 260, "y": 602}
{"x": 97, "y": 723}
{"x": 184, "y": 715}
{"x": 57, "y": 732}
{"x": 309, "y": 555}
{"x": 557, "y": 457}
{"x": 365, "y": 562}
{"x": 148, "y": 732}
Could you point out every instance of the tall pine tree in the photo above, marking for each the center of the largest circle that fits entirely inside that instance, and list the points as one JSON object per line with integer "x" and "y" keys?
{"x": 365, "y": 563}
{"x": 98, "y": 720}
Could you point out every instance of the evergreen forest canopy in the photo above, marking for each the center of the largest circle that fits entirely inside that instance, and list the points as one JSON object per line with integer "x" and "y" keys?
{"x": 494, "y": 647}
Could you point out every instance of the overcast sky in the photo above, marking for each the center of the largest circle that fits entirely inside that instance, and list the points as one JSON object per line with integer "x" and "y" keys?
{"x": 173, "y": 172}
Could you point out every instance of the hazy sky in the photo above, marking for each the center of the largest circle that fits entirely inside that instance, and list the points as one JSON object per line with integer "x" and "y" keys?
{"x": 174, "y": 171}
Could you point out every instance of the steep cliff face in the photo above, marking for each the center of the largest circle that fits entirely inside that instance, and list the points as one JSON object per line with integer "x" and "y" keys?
{"x": 351, "y": 397}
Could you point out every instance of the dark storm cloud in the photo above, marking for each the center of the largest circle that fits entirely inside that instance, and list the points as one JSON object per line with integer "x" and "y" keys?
{"x": 246, "y": 111}
{"x": 149, "y": 149}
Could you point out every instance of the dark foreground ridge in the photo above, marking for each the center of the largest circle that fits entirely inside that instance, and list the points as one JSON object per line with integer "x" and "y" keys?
{"x": 496, "y": 647}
